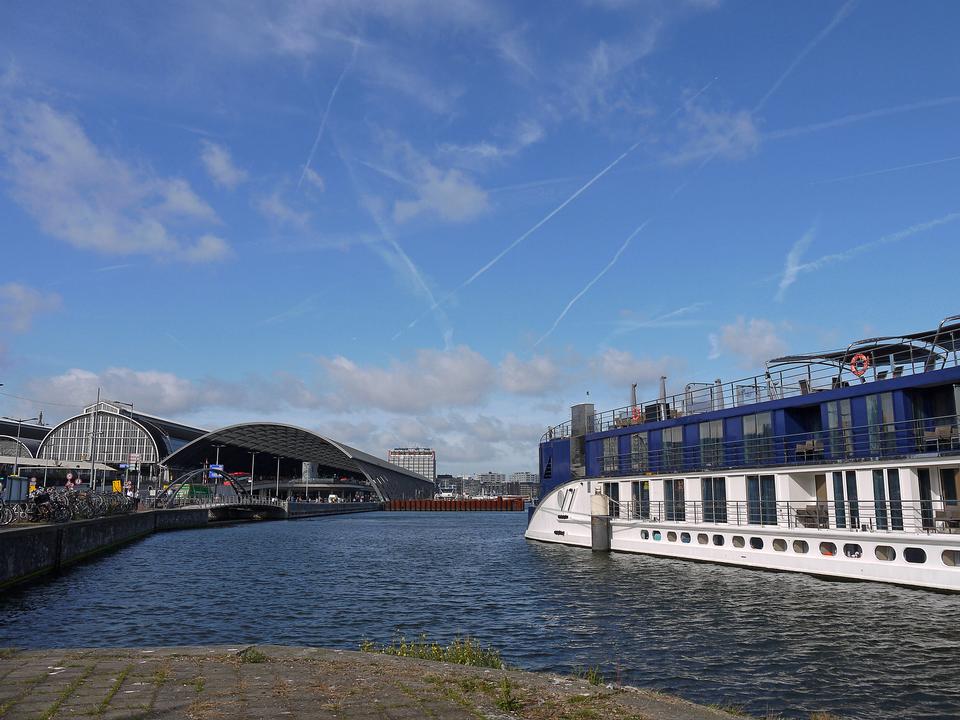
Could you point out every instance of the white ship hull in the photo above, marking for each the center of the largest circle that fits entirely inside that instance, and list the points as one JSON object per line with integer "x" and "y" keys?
{"x": 917, "y": 555}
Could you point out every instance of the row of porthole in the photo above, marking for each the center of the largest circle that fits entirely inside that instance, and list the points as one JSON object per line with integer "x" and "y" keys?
{"x": 950, "y": 558}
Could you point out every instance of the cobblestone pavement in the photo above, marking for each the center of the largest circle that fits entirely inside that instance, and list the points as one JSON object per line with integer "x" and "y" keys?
{"x": 206, "y": 683}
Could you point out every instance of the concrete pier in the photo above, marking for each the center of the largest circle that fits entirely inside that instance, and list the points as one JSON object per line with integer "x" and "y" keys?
{"x": 205, "y": 683}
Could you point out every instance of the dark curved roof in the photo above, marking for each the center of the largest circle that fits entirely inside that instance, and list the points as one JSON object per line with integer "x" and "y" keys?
{"x": 295, "y": 443}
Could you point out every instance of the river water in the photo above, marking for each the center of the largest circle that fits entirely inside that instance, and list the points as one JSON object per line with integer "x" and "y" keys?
{"x": 768, "y": 642}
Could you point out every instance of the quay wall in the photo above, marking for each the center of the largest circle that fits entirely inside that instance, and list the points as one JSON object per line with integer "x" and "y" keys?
{"x": 497, "y": 504}
{"x": 308, "y": 509}
{"x": 27, "y": 553}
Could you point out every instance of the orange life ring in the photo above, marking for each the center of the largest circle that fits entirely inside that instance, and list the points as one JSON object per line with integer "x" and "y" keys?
{"x": 859, "y": 364}
{"x": 636, "y": 413}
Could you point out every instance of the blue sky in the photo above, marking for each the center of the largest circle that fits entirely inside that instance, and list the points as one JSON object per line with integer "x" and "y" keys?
{"x": 442, "y": 223}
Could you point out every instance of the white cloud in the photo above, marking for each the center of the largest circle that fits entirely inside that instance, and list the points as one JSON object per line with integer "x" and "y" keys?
{"x": 314, "y": 178}
{"x": 622, "y": 368}
{"x": 90, "y": 199}
{"x": 456, "y": 377}
{"x": 447, "y": 194}
{"x": 208, "y": 248}
{"x": 220, "y": 166}
{"x": 532, "y": 377}
{"x": 276, "y": 209}
{"x": 792, "y": 266}
{"x": 526, "y": 133}
{"x": 19, "y": 304}
{"x": 710, "y": 133}
{"x": 753, "y": 342}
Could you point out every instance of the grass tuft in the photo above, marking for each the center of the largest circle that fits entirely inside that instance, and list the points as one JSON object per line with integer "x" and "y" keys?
{"x": 506, "y": 700}
{"x": 462, "y": 651}
{"x": 592, "y": 675}
{"x": 252, "y": 655}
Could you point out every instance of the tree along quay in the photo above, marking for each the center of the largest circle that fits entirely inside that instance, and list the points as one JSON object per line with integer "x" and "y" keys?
{"x": 204, "y": 683}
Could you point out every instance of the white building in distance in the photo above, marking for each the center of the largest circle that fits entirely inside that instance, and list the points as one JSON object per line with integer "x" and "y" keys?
{"x": 417, "y": 459}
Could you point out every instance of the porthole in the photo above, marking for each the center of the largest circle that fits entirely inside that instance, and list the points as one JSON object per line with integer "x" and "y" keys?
{"x": 780, "y": 545}
{"x": 703, "y": 539}
{"x": 718, "y": 539}
{"x": 684, "y": 537}
{"x": 656, "y": 535}
{"x": 914, "y": 555}
{"x": 885, "y": 553}
{"x": 852, "y": 550}
{"x": 756, "y": 543}
{"x": 644, "y": 534}
{"x": 738, "y": 541}
{"x": 672, "y": 536}
{"x": 951, "y": 558}
{"x": 828, "y": 548}
{"x": 800, "y": 546}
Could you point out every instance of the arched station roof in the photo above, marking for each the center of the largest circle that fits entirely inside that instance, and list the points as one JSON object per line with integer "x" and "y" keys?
{"x": 292, "y": 443}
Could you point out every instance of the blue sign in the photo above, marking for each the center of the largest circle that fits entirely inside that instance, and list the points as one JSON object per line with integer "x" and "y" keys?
{"x": 123, "y": 466}
{"x": 214, "y": 475}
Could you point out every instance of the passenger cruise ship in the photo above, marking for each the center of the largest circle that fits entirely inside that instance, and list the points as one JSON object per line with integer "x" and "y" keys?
{"x": 841, "y": 464}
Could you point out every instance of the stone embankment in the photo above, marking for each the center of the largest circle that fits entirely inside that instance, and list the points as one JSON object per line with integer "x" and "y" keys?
{"x": 28, "y": 552}
{"x": 207, "y": 683}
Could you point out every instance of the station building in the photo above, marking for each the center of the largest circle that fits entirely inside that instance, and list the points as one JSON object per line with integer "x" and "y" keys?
{"x": 111, "y": 441}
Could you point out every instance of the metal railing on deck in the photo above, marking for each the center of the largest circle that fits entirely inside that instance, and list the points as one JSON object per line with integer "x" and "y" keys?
{"x": 937, "y": 435}
{"x": 934, "y": 351}
{"x": 928, "y": 516}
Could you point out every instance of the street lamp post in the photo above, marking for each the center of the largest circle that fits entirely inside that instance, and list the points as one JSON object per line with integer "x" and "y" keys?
{"x": 253, "y": 460}
{"x": 278, "y": 477}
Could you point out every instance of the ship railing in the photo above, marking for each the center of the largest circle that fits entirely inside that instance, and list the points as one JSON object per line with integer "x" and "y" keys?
{"x": 920, "y": 355}
{"x": 854, "y": 516}
{"x": 933, "y": 436}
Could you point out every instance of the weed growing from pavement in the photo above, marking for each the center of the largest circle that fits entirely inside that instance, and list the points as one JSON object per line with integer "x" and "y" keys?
{"x": 462, "y": 651}
{"x": 506, "y": 700}
{"x": 251, "y": 655}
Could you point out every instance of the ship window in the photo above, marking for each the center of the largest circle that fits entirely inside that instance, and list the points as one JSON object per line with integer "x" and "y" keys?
{"x": 703, "y": 539}
{"x": 758, "y": 438}
{"x": 641, "y": 499}
{"x": 800, "y": 546}
{"x": 718, "y": 539}
{"x": 714, "y": 493}
{"x": 852, "y": 550}
{"x": 738, "y": 541}
{"x": 610, "y": 454}
{"x": 638, "y": 452}
{"x": 828, "y": 548}
{"x": 885, "y": 553}
{"x": 685, "y": 537}
{"x": 644, "y": 534}
{"x": 780, "y": 545}
{"x": 674, "y": 506}
{"x": 756, "y": 543}
{"x": 672, "y": 536}
{"x": 761, "y": 500}
{"x": 914, "y": 555}
{"x": 672, "y": 439}
{"x": 711, "y": 443}
{"x": 951, "y": 558}
{"x": 656, "y": 535}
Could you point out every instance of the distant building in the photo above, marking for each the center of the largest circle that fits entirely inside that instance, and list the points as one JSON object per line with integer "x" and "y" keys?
{"x": 450, "y": 483}
{"x": 492, "y": 483}
{"x": 471, "y": 485}
{"x": 525, "y": 484}
{"x": 417, "y": 459}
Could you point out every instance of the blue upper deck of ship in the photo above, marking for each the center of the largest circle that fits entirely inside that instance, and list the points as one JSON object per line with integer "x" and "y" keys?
{"x": 881, "y": 397}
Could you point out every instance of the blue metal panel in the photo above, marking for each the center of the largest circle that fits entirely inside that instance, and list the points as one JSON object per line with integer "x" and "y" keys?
{"x": 691, "y": 445}
{"x": 733, "y": 435}
{"x": 593, "y": 452}
{"x": 903, "y": 411}
{"x": 861, "y": 436}
{"x": 623, "y": 449}
{"x": 655, "y": 442}
{"x": 557, "y": 453}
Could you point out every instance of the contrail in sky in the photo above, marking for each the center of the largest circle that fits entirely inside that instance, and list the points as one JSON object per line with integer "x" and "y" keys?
{"x": 326, "y": 112}
{"x": 582, "y": 189}
{"x": 953, "y": 158}
{"x": 596, "y": 278}
{"x": 842, "y": 13}
{"x": 857, "y": 117}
